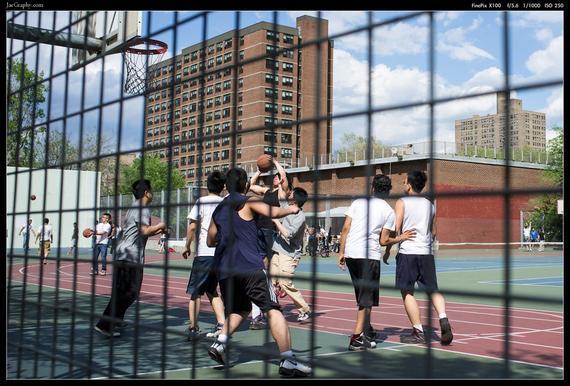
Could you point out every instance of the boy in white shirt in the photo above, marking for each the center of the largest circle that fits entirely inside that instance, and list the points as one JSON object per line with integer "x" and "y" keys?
{"x": 415, "y": 262}
{"x": 202, "y": 277}
{"x": 367, "y": 221}
{"x": 45, "y": 235}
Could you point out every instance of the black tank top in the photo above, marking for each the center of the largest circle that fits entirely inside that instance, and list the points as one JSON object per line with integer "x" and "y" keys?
{"x": 270, "y": 198}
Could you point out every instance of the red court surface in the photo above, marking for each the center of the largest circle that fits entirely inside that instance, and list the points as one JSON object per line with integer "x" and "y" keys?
{"x": 536, "y": 337}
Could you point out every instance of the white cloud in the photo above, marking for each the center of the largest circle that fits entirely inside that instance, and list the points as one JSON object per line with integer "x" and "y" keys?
{"x": 535, "y": 18}
{"x": 544, "y": 34}
{"x": 447, "y": 17}
{"x": 398, "y": 85}
{"x": 554, "y": 110}
{"x": 401, "y": 38}
{"x": 455, "y": 43}
{"x": 547, "y": 63}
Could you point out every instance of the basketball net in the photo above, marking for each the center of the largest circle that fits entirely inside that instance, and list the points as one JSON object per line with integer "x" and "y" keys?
{"x": 138, "y": 57}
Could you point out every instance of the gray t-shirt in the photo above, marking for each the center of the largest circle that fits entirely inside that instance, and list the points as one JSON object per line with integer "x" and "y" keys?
{"x": 293, "y": 244}
{"x": 131, "y": 243}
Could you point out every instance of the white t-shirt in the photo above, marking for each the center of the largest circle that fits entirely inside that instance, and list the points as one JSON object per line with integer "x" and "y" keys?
{"x": 103, "y": 239}
{"x": 380, "y": 216}
{"x": 45, "y": 232}
{"x": 418, "y": 215}
{"x": 27, "y": 228}
{"x": 207, "y": 205}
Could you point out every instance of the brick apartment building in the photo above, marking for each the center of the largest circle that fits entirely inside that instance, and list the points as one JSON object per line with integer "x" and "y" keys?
{"x": 264, "y": 99}
{"x": 528, "y": 128}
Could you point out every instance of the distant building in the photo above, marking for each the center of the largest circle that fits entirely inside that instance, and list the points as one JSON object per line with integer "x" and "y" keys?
{"x": 528, "y": 128}
{"x": 198, "y": 99}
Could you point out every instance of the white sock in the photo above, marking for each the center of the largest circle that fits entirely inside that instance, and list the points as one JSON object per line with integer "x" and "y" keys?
{"x": 223, "y": 338}
{"x": 442, "y": 315}
{"x": 419, "y": 327}
{"x": 287, "y": 354}
{"x": 255, "y": 311}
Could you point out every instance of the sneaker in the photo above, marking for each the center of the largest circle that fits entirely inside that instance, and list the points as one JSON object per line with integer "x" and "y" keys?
{"x": 370, "y": 334}
{"x": 360, "y": 343}
{"x": 446, "y": 334}
{"x": 258, "y": 323}
{"x": 103, "y": 273}
{"x": 93, "y": 272}
{"x": 303, "y": 316}
{"x": 415, "y": 337}
{"x": 108, "y": 334}
{"x": 290, "y": 367}
{"x": 217, "y": 352}
{"x": 192, "y": 333}
{"x": 216, "y": 330}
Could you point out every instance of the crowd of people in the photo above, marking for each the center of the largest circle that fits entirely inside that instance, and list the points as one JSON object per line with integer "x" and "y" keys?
{"x": 247, "y": 240}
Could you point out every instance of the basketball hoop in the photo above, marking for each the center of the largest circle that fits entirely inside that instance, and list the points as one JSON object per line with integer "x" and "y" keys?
{"x": 138, "y": 56}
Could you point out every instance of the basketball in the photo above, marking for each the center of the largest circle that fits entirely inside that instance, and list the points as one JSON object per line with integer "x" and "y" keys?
{"x": 264, "y": 162}
{"x": 33, "y": 197}
{"x": 87, "y": 232}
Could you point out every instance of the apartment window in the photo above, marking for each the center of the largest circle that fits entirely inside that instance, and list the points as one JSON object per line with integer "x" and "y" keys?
{"x": 270, "y": 92}
{"x": 225, "y": 112}
{"x": 240, "y": 111}
{"x": 218, "y": 87}
{"x": 286, "y": 138}
{"x": 193, "y": 94}
{"x": 272, "y": 35}
{"x": 270, "y": 78}
{"x": 210, "y": 77}
{"x": 194, "y": 55}
{"x": 210, "y": 62}
{"x": 219, "y": 59}
{"x": 209, "y": 103}
{"x": 226, "y": 126}
{"x": 287, "y": 95}
{"x": 193, "y": 68}
{"x": 225, "y": 154}
{"x": 287, "y": 81}
{"x": 210, "y": 90}
{"x": 270, "y": 150}
{"x": 288, "y": 53}
{"x": 286, "y": 153}
{"x": 240, "y": 97}
{"x": 227, "y": 71}
{"x": 239, "y": 123}
{"x": 288, "y": 67}
{"x": 225, "y": 140}
{"x": 269, "y": 49}
{"x": 227, "y": 57}
{"x": 218, "y": 101}
{"x": 219, "y": 46}
{"x": 216, "y": 128}
{"x": 241, "y": 40}
{"x": 209, "y": 116}
{"x": 240, "y": 82}
{"x": 217, "y": 114}
{"x": 227, "y": 98}
{"x": 268, "y": 136}
{"x": 240, "y": 70}
{"x": 285, "y": 109}
{"x": 269, "y": 107}
{"x": 227, "y": 84}
{"x": 270, "y": 122}
{"x": 184, "y": 122}
{"x": 186, "y": 59}
{"x": 287, "y": 38}
{"x": 270, "y": 64}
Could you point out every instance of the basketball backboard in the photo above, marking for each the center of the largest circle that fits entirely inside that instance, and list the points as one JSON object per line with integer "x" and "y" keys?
{"x": 114, "y": 28}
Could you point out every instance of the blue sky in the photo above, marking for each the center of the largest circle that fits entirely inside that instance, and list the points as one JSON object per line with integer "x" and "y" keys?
{"x": 469, "y": 59}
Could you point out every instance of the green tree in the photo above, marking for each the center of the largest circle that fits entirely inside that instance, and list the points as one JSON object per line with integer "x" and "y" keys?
{"x": 24, "y": 113}
{"x": 55, "y": 146}
{"x": 154, "y": 170}
{"x": 354, "y": 148}
{"x": 545, "y": 213}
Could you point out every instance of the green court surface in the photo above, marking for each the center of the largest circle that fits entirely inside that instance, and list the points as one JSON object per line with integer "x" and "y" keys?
{"x": 42, "y": 340}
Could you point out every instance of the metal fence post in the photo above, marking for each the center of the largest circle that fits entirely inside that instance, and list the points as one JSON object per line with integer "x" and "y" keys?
{"x": 177, "y": 214}
{"x": 162, "y": 205}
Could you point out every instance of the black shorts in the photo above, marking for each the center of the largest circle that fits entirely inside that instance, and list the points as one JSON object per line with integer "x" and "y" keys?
{"x": 202, "y": 278}
{"x": 239, "y": 291}
{"x": 365, "y": 275}
{"x": 415, "y": 268}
